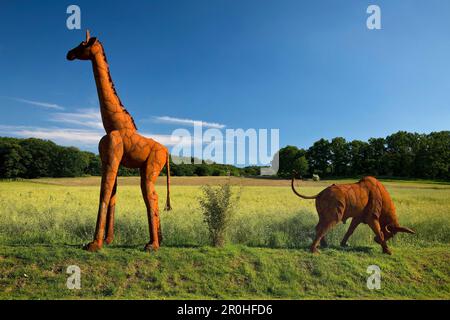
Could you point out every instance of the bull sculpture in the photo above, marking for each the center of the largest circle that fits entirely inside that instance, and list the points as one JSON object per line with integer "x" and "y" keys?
{"x": 366, "y": 201}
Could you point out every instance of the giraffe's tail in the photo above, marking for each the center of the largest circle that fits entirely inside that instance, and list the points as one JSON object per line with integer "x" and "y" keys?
{"x": 168, "y": 206}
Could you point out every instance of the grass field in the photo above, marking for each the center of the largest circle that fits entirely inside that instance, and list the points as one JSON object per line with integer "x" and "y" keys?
{"x": 44, "y": 222}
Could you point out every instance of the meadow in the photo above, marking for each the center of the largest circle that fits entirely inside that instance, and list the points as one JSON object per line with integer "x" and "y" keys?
{"x": 44, "y": 222}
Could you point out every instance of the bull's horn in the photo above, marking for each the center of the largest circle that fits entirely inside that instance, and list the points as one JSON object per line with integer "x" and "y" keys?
{"x": 386, "y": 228}
{"x": 88, "y": 36}
{"x": 404, "y": 229}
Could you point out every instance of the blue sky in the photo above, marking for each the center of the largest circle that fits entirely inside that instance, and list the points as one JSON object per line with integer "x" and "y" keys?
{"x": 309, "y": 68}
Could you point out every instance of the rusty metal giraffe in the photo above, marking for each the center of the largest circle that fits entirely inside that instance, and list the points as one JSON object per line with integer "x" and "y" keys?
{"x": 122, "y": 145}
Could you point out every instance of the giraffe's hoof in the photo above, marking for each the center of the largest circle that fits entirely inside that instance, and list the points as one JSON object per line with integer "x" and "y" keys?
{"x": 92, "y": 246}
{"x": 149, "y": 247}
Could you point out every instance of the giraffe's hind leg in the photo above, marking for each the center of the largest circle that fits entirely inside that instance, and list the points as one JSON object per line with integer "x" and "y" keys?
{"x": 149, "y": 173}
{"x": 110, "y": 216}
{"x": 148, "y": 178}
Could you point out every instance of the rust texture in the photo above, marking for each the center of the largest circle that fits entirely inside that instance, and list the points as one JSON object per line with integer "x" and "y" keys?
{"x": 366, "y": 201}
{"x": 122, "y": 145}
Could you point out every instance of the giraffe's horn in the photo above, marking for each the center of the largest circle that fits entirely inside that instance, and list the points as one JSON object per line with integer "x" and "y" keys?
{"x": 88, "y": 36}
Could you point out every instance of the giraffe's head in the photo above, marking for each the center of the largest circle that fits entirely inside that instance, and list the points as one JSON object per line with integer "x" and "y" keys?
{"x": 85, "y": 50}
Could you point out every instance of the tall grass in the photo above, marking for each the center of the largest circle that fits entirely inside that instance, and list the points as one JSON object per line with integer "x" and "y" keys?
{"x": 33, "y": 213}
{"x": 217, "y": 205}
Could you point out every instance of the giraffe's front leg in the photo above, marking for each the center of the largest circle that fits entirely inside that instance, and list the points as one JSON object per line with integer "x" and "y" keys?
{"x": 111, "y": 151}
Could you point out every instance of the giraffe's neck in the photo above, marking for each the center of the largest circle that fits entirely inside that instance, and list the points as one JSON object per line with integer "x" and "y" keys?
{"x": 114, "y": 115}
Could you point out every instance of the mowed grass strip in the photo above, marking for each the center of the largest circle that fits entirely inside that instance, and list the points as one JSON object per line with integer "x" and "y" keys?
{"x": 233, "y": 272}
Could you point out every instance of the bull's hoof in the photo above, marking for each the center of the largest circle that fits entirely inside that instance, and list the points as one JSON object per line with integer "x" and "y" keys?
{"x": 314, "y": 251}
{"x": 387, "y": 251}
{"x": 109, "y": 240}
{"x": 149, "y": 247}
{"x": 344, "y": 244}
{"x": 92, "y": 246}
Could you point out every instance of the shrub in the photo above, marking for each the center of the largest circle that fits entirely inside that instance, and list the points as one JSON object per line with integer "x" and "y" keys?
{"x": 217, "y": 205}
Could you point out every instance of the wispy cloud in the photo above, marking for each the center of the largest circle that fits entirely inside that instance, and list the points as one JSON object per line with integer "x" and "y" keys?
{"x": 171, "y": 140}
{"x": 84, "y": 128}
{"x": 45, "y": 105}
{"x": 190, "y": 122}
{"x": 59, "y": 135}
{"x": 81, "y": 137}
{"x": 82, "y": 117}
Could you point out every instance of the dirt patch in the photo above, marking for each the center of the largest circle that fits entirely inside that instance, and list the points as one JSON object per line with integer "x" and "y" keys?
{"x": 254, "y": 181}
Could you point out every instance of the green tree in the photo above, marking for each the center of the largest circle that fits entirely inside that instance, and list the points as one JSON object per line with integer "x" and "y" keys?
{"x": 401, "y": 148}
{"x": 94, "y": 167}
{"x": 358, "y": 156}
{"x": 288, "y": 157}
{"x": 11, "y": 160}
{"x": 301, "y": 166}
{"x": 69, "y": 162}
{"x": 340, "y": 156}
{"x": 203, "y": 170}
{"x": 319, "y": 157}
{"x": 42, "y": 153}
{"x": 376, "y": 153}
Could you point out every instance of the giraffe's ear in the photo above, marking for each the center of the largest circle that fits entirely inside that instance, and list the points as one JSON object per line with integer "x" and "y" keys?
{"x": 88, "y": 36}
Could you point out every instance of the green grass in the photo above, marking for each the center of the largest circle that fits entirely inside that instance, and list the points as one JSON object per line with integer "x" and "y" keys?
{"x": 43, "y": 225}
{"x": 235, "y": 272}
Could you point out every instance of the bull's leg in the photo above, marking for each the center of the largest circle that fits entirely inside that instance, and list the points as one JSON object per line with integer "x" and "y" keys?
{"x": 323, "y": 242}
{"x": 110, "y": 216}
{"x": 374, "y": 224}
{"x": 355, "y": 223}
{"x": 321, "y": 230}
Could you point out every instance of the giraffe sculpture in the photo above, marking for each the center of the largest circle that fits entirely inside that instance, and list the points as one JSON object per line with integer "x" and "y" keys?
{"x": 122, "y": 145}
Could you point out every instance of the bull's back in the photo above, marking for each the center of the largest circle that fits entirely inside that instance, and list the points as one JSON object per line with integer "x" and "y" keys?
{"x": 331, "y": 201}
{"x": 344, "y": 200}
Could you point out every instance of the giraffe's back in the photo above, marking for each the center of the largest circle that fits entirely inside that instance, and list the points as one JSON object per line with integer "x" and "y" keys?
{"x": 137, "y": 149}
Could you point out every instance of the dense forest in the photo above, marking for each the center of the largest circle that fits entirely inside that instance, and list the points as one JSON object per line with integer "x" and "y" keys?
{"x": 35, "y": 158}
{"x": 402, "y": 154}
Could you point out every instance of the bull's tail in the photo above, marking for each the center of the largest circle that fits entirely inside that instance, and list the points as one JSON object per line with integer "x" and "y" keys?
{"x": 168, "y": 206}
{"x": 298, "y": 194}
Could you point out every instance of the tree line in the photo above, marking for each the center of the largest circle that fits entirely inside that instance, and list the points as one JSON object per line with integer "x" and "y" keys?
{"x": 35, "y": 158}
{"x": 402, "y": 154}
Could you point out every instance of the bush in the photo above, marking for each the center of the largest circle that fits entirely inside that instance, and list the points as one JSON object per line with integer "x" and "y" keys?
{"x": 218, "y": 205}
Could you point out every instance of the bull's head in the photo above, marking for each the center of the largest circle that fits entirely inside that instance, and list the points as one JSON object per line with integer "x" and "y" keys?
{"x": 391, "y": 230}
